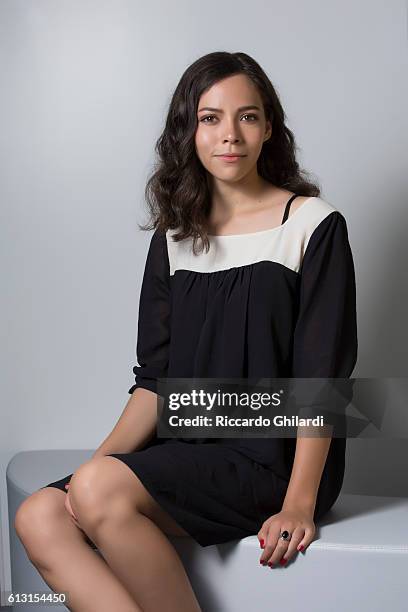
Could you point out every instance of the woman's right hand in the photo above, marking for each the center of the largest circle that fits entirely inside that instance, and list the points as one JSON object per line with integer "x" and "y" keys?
{"x": 69, "y": 508}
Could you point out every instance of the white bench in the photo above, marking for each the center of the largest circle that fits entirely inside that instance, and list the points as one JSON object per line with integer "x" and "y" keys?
{"x": 357, "y": 562}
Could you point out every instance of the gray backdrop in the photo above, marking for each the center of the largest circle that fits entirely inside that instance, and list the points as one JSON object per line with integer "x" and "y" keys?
{"x": 84, "y": 91}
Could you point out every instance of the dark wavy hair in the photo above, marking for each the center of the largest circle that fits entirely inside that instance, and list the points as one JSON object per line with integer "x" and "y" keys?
{"x": 177, "y": 192}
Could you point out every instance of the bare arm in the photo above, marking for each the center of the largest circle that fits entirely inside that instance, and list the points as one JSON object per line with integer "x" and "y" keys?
{"x": 310, "y": 458}
{"x": 135, "y": 427}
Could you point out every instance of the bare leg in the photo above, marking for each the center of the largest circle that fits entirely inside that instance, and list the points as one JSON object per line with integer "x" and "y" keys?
{"x": 144, "y": 559}
{"x": 59, "y": 551}
{"x": 129, "y": 528}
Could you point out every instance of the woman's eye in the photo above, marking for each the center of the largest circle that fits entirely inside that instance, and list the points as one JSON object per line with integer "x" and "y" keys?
{"x": 203, "y": 120}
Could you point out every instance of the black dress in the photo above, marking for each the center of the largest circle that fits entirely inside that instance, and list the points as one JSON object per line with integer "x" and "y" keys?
{"x": 280, "y": 302}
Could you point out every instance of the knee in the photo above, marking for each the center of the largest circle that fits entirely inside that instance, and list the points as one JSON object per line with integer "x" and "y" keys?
{"x": 32, "y": 512}
{"x": 35, "y": 519}
{"x": 86, "y": 493}
{"x": 95, "y": 495}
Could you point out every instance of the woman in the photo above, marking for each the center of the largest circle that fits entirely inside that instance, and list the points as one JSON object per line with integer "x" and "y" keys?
{"x": 270, "y": 292}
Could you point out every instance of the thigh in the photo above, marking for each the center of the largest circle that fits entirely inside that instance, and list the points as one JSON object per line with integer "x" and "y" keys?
{"x": 111, "y": 478}
{"x": 147, "y": 505}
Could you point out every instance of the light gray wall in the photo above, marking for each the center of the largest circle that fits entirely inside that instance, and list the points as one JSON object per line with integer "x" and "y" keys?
{"x": 84, "y": 90}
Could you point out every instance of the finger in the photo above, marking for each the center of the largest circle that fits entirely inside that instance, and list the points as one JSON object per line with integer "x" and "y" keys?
{"x": 69, "y": 510}
{"x": 75, "y": 521}
{"x": 69, "y": 507}
{"x": 271, "y": 542}
{"x": 295, "y": 540}
{"x": 278, "y": 553}
{"x": 307, "y": 539}
{"x": 281, "y": 545}
{"x": 262, "y": 535}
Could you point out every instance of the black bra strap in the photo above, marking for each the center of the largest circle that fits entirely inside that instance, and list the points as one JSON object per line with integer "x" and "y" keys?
{"x": 286, "y": 214}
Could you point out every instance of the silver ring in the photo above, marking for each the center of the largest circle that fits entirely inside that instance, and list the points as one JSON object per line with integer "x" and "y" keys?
{"x": 285, "y": 535}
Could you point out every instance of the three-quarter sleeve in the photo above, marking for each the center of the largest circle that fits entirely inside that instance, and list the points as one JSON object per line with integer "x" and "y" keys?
{"x": 325, "y": 336}
{"x": 325, "y": 339}
{"x": 153, "y": 332}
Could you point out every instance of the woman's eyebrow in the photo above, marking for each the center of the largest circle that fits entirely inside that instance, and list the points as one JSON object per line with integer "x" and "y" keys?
{"x": 219, "y": 110}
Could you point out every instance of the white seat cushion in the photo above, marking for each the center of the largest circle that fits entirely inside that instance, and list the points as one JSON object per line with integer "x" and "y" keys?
{"x": 357, "y": 562}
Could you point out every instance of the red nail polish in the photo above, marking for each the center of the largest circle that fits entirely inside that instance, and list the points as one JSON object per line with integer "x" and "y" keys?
{"x": 262, "y": 543}
{"x": 270, "y": 563}
{"x": 301, "y": 547}
{"x": 282, "y": 561}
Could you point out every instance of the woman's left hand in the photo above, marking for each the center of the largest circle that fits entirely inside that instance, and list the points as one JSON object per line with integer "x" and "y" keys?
{"x": 298, "y": 522}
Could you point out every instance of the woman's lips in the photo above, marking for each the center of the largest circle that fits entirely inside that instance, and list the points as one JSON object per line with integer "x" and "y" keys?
{"x": 230, "y": 158}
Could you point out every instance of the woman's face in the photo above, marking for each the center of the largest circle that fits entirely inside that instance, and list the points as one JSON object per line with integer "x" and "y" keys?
{"x": 230, "y": 128}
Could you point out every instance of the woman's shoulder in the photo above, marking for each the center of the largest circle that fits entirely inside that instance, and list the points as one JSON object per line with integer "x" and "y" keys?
{"x": 316, "y": 211}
